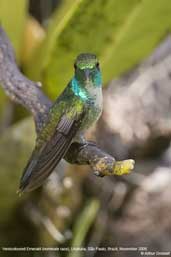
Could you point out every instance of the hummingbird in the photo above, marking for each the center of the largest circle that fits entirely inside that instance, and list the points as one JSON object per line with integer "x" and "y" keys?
{"x": 73, "y": 112}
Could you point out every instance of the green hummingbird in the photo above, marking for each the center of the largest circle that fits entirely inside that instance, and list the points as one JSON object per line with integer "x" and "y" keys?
{"x": 74, "y": 111}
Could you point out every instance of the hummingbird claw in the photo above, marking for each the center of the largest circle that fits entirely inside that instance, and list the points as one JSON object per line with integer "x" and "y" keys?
{"x": 98, "y": 174}
{"x": 19, "y": 192}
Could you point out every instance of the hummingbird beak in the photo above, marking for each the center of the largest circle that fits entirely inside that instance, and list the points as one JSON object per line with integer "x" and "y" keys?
{"x": 87, "y": 75}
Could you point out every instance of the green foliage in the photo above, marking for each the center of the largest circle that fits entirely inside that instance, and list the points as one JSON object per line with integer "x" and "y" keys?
{"x": 12, "y": 18}
{"x": 121, "y": 33}
{"x": 145, "y": 26}
{"x": 87, "y": 26}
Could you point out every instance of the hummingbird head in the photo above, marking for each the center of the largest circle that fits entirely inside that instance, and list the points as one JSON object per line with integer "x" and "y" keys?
{"x": 87, "y": 70}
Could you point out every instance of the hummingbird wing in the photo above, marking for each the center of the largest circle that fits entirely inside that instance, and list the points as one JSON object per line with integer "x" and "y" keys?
{"x": 43, "y": 163}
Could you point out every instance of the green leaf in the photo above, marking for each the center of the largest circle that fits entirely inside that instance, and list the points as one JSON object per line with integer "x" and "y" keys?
{"x": 82, "y": 226}
{"x": 77, "y": 26}
{"x": 13, "y": 17}
{"x": 145, "y": 26}
{"x": 121, "y": 33}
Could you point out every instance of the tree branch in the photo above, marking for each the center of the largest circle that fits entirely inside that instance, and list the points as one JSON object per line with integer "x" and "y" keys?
{"x": 28, "y": 93}
{"x": 19, "y": 88}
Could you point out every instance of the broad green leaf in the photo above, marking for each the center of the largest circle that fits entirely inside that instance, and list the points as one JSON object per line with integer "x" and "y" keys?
{"x": 15, "y": 147}
{"x": 145, "y": 26}
{"x": 12, "y": 18}
{"x": 77, "y": 26}
{"x": 121, "y": 33}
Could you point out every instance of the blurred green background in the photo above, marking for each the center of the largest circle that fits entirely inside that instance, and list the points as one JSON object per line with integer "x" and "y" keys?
{"x": 47, "y": 35}
{"x": 121, "y": 33}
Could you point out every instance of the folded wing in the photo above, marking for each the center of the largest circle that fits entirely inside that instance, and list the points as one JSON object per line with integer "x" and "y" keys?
{"x": 43, "y": 163}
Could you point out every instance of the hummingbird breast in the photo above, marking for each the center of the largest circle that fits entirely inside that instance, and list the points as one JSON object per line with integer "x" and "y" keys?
{"x": 93, "y": 108}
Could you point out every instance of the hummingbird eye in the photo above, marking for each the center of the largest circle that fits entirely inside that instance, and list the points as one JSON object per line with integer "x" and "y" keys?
{"x": 97, "y": 65}
{"x": 75, "y": 66}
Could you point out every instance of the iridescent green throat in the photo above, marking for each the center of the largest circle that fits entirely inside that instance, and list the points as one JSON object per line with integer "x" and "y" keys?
{"x": 78, "y": 90}
{"x": 81, "y": 90}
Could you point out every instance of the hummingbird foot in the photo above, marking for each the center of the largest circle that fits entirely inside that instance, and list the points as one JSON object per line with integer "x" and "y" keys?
{"x": 19, "y": 192}
{"x": 80, "y": 139}
{"x": 98, "y": 174}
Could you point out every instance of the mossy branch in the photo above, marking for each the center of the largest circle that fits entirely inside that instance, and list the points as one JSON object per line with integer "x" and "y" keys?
{"x": 28, "y": 93}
